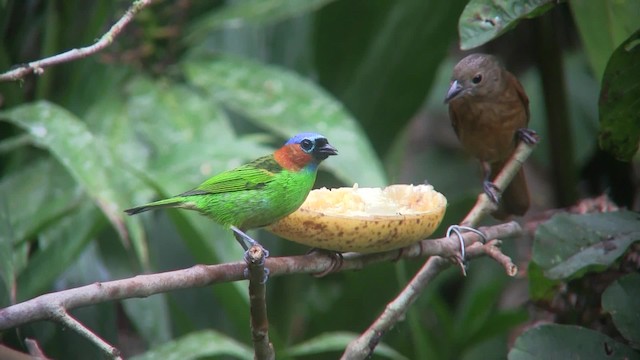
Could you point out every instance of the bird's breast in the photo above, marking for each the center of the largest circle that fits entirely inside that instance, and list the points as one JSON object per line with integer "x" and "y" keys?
{"x": 486, "y": 128}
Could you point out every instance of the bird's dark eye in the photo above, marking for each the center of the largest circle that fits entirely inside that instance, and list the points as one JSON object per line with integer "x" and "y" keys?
{"x": 306, "y": 145}
{"x": 476, "y": 79}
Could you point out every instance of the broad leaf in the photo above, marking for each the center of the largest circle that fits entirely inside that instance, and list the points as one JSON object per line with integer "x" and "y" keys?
{"x": 336, "y": 342}
{"x": 288, "y": 104}
{"x": 150, "y": 316}
{"x": 484, "y": 20}
{"x": 553, "y": 341}
{"x": 37, "y": 195}
{"x": 603, "y": 25}
{"x": 569, "y": 243}
{"x": 619, "y": 105}
{"x": 87, "y": 159}
{"x": 198, "y": 345}
{"x": 622, "y": 301}
{"x": 61, "y": 244}
{"x": 258, "y": 12}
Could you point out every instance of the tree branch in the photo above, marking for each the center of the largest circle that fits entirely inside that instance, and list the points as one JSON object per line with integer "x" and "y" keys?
{"x": 483, "y": 205}
{"x": 37, "y": 67}
{"x": 258, "y": 303}
{"x": 41, "y": 307}
{"x": 61, "y": 315}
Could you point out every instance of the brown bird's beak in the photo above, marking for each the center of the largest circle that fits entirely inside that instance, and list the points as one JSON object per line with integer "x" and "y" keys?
{"x": 454, "y": 90}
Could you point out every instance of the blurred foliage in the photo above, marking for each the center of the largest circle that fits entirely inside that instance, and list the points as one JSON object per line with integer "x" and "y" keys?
{"x": 192, "y": 88}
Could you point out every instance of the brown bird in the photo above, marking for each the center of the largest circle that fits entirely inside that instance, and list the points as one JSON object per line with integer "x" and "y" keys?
{"x": 489, "y": 111}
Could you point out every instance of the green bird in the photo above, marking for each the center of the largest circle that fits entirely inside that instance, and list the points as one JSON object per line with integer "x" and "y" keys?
{"x": 258, "y": 193}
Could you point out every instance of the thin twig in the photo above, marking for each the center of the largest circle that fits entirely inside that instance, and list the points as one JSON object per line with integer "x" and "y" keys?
{"x": 258, "y": 303}
{"x": 395, "y": 311}
{"x": 62, "y": 316}
{"x": 492, "y": 250}
{"x": 40, "y": 308}
{"x": 483, "y": 205}
{"x": 34, "y": 350}
{"x": 37, "y": 67}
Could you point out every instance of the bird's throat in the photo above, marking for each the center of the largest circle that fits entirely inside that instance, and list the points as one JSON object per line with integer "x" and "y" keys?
{"x": 292, "y": 158}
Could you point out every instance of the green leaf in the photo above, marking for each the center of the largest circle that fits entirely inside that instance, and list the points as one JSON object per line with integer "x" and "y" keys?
{"x": 198, "y": 345}
{"x": 383, "y": 65}
{"x": 569, "y": 243}
{"x": 603, "y": 25}
{"x": 484, "y": 20}
{"x": 567, "y": 342}
{"x": 288, "y": 104}
{"x": 150, "y": 316}
{"x": 540, "y": 287}
{"x": 622, "y": 301}
{"x": 619, "y": 105}
{"x": 257, "y": 12}
{"x": 87, "y": 159}
{"x": 61, "y": 244}
{"x": 336, "y": 341}
{"x": 7, "y": 266}
{"x": 34, "y": 200}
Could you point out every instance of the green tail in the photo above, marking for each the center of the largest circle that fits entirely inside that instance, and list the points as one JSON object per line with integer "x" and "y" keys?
{"x": 167, "y": 203}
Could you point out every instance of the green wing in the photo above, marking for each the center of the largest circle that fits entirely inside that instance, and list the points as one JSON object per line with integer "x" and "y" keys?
{"x": 252, "y": 176}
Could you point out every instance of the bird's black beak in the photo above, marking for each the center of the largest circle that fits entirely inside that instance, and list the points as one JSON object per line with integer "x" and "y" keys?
{"x": 454, "y": 90}
{"x": 327, "y": 150}
{"x": 324, "y": 151}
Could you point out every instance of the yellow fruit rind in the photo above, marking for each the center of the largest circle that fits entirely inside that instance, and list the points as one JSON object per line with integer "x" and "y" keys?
{"x": 320, "y": 225}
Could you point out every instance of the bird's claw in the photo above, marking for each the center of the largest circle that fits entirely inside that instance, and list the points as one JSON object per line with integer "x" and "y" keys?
{"x": 492, "y": 191}
{"x": 336, "y": 261}
{"x": 265, "y": 276}
{"x": 457, "y": 230}
{"x": 528, "y": 136}
{"x": 252, "y": 260}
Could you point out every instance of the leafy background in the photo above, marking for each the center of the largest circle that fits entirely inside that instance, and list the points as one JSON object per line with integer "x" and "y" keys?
{"x": 194, "y": 87}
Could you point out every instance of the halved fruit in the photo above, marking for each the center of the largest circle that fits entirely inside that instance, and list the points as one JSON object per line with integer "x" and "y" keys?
{"x": 364, "y": 220}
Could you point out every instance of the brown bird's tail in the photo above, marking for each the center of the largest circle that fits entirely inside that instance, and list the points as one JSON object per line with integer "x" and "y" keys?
{"x": 515, "y": 198}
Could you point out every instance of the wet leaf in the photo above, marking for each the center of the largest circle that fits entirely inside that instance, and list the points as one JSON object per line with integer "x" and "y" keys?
{"x": 571, "y": 243}
{"x": 553, "y": 341}
{"x": 87, "y": 159}
{"x": 484, "y": 20}
{"x": 622, "y": 301}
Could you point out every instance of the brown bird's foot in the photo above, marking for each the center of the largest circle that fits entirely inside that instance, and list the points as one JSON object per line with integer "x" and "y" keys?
{"x": 457, "y": 229}
{"x": 527, "y": 136}
{"x": 336, "y": 261}
{"x": 492, "y": 191}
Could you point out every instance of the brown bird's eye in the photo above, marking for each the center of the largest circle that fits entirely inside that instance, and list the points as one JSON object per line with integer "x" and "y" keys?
{"x": 476, "y": 79}
{"x": 306, "y": 145}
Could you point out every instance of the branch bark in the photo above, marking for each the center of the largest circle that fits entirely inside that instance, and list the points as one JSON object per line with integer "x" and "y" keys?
{"x": 37, "y": 67}
{"x": 41, "y": 307}
{"x": 263, "y": 349}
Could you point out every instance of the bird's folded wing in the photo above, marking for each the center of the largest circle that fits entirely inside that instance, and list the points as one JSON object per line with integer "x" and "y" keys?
{"x": 252, "y": 176}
